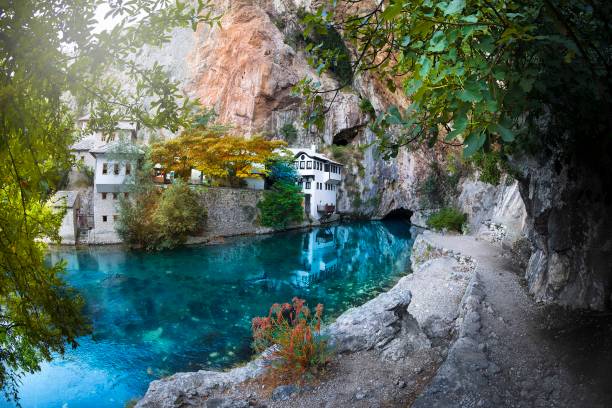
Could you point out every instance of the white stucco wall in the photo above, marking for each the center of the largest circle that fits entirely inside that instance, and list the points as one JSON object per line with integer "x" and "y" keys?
{"x": 68, "y": 229}
{"x": 320, "y": 195}
{"x": 104, "y": 231}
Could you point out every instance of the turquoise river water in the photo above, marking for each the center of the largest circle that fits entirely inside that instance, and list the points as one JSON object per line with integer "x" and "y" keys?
{"x": 154, "y": 314}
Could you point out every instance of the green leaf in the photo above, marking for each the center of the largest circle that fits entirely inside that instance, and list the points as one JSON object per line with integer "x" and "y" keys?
{"x": 392, "y": 11}
{"x": 438, "y": 42}
{"x": 460, "y": 122}
{"x": 454, "y": 7}
{"x": 425, "y": 66}
{"x": 394, "y": 117}
{"x": 506, "y": 134}
{"x": 473, "y": 143}
{"x": 470, "y": 92}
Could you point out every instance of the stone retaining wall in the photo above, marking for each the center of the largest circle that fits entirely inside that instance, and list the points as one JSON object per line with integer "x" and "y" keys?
{"x": 231, "y": 211}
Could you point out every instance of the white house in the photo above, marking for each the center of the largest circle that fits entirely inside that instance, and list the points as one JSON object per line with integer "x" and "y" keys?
{"x": 320, "y": 177}
{"x": 116, "y": 164}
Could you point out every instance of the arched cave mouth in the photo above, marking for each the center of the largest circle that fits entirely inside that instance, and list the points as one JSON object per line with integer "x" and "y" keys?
{"x": 402, "y": 214}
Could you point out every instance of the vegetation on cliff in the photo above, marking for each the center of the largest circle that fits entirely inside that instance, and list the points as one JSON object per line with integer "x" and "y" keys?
{"x": 485, "y": 75}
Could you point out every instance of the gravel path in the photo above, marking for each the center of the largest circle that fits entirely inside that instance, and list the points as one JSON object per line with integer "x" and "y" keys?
{"x": 512, "y": 352}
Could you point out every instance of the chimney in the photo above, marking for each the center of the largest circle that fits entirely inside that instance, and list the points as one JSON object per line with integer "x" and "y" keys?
{"x": 313, "y": 147}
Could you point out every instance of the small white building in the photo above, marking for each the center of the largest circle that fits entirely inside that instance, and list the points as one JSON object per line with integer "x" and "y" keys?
{"x": 125, "y": 130}
{"x": 319, "y": 179}
{"x": 116, "y": 164}
{"x": 68, "y": 231}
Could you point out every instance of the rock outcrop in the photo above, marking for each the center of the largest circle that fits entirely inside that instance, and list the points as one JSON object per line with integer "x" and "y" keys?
{"x": 569, "y": 206}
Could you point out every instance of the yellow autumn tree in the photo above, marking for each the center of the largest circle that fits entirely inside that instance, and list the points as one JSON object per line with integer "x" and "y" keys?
{"x": 217, "y": 153}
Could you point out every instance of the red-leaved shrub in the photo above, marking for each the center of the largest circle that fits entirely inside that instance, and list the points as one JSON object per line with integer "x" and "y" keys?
{"x": 296, "y": 334}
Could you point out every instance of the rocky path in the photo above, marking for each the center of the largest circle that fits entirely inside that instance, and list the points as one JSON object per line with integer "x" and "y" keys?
{"x": 480, "y": 341}
{"x": 511, "y": 352}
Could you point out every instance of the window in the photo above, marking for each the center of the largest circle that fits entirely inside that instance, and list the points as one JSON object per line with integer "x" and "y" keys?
{"x": 104, "y": 196}
{"x": 82, "y": 158}
{"x": 104, "y": 168}
{"x": 326, "y": 166}
{"x": 296, "y": 164}
{"x": 126, "y": 195}
{"x": 115, "y": 196}
{"x": 104, "y": 218}
{"x": 302, "y": 158}
{"x": 301, "y": 165}
{"x": 308, "y": 185}
{"x": 115, "y": 216}
{"x": 128, "y": 168}
{"x": 116, "y": 168}
{"x": 309, "y": 164}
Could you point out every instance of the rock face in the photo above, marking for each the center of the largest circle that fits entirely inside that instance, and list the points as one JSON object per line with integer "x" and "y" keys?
{"x": 570, "y": 225}
{"x": 495, "y": 213}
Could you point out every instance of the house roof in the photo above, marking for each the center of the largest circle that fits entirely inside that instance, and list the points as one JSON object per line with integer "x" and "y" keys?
{"x": 63, "y": 197}
{"x": 313, "y": 154}
{"x": 117, "y": 147}
{"x": 83, "y": 144}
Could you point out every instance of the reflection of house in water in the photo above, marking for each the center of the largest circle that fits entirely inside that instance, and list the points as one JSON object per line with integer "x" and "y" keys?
{"x": 319, "y": 259}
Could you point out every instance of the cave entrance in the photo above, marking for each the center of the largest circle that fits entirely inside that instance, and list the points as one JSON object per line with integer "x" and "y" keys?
{"x": 399, "y": 214}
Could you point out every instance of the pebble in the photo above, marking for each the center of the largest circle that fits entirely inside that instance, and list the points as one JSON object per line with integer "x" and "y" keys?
{"x": 360, "y": 396}
{"x": 401, "y": 384}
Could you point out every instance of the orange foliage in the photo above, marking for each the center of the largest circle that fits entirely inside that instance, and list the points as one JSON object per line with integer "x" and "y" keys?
{"x": 216, "y": 152}
{"x": 296, "y": 334}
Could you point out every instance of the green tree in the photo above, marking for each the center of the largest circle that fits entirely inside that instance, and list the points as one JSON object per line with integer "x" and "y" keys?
{"x": 52, "y": 57}
{"x": 281, "y": 205}
{"x": 481, "y": 74}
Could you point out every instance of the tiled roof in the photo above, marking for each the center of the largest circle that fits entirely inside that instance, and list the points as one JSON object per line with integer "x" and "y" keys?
{"x": 313, "y": 154}
{"x": 117, "y": 147}
{"x": 83, "y": 144}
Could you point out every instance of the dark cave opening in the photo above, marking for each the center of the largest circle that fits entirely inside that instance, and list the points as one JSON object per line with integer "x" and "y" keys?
{"x": 399, "y": 214}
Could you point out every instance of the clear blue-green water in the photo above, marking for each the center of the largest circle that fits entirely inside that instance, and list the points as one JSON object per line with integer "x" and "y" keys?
{"x": 155, "y": 314}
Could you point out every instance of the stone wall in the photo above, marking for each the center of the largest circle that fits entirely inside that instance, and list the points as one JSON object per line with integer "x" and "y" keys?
{"x": 231, "y": 211}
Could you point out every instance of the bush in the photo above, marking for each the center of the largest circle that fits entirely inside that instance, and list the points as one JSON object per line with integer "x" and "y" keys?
{"x": 282, "y": 169}
{"x": 366, "y": 107}
{"x": 281, "y": 205}
{"x": 491, "y": 166}
{"x": 289, "y": 132}
{"x": 177, "y": 215}
{"x": 450, "y": 219}
{"x": 296, "y": 333}
{"x": 155, "y": 220}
